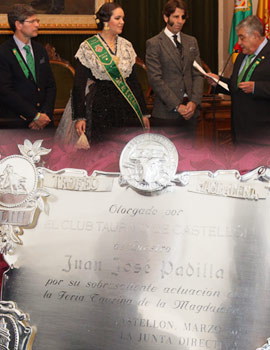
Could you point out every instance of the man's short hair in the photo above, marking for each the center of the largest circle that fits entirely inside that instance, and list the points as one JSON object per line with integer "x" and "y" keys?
{"x": 252, "y": 24}
{"x": 19, "y": 12}
{"x": 172, "y": 5}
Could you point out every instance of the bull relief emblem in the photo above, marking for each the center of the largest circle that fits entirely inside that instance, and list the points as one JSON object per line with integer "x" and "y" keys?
{"x": 20, "y": 193}
{"x": 12, "y": 183}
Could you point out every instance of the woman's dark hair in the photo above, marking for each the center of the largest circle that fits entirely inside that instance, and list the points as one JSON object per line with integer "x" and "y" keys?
{"x": 172, "y": 5}
{"x": 104, "y": 13}
{"x": 19, "y": 12}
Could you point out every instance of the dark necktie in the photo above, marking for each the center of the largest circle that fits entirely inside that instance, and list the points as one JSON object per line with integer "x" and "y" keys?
{"x": 178, "y": 45}
{"x": 243, "y": 71}
{"x": 30, "y": 60}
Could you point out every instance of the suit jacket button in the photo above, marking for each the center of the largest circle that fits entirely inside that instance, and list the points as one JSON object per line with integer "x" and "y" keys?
{"x": 38, "y": 104}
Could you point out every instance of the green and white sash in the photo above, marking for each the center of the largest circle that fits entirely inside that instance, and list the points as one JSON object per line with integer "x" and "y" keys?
{"x": 114, "y": 73}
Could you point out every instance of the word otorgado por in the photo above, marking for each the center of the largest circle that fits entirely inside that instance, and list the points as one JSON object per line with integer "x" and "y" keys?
{"x": 132, "y": 212}
{"x": 119, "y": 209}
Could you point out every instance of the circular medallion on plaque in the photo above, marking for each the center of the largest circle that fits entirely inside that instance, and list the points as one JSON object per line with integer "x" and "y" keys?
{"x": 18, "y": 181}
{"x": 149, "y": 162}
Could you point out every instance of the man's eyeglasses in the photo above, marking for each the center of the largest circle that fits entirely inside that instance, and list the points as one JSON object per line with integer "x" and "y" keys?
{"x": 33, "y": 21}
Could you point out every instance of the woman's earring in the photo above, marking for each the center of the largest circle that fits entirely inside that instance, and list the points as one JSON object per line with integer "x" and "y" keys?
{"x": 106, "y": 26}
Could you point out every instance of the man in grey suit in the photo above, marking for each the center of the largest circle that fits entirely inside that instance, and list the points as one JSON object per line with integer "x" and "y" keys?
{"x": 177, "y": 85}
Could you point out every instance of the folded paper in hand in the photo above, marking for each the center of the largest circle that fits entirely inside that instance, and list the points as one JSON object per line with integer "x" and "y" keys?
{"x": 201, "y": 70}
{"x": 82, "y": 142}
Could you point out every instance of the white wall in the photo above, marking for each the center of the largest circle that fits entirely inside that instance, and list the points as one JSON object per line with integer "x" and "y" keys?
{"x": 225, "y": 15}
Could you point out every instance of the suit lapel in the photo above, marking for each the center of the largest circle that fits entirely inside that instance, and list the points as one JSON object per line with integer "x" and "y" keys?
{"x": 260, "y": 58}
{"x": 171, "y": 50}
{"x": 237, "y": 66}
{"x": 185, "y": 45}
{"x": 14, "y": 45}
{"x": 37, "y": 59}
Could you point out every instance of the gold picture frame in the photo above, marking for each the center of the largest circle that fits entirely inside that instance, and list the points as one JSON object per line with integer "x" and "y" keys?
{"x": 60, "y": 23}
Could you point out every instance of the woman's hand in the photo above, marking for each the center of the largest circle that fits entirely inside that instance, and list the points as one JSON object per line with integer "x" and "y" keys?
{"x": 146, "y": 123}
{"x": 80, "y": 126}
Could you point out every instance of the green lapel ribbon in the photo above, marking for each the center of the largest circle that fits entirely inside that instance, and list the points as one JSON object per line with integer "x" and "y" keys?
{"x": 253, "y": 67}
{"x": 114, "y": 73}
{"x": 23, "y": 66}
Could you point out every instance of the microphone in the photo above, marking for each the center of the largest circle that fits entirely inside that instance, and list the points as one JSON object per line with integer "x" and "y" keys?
{"x": 227, "y": 62}
{"x": 214, "y": 93}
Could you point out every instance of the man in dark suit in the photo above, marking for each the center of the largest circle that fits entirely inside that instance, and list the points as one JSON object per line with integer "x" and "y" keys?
{"x": 27, "y": 86}
{"x": 177, "y": 85}
{"x": 249, "y": 85}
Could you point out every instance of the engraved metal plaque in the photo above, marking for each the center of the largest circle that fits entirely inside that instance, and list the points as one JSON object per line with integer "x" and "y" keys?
{"x": 116, "y": 269}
